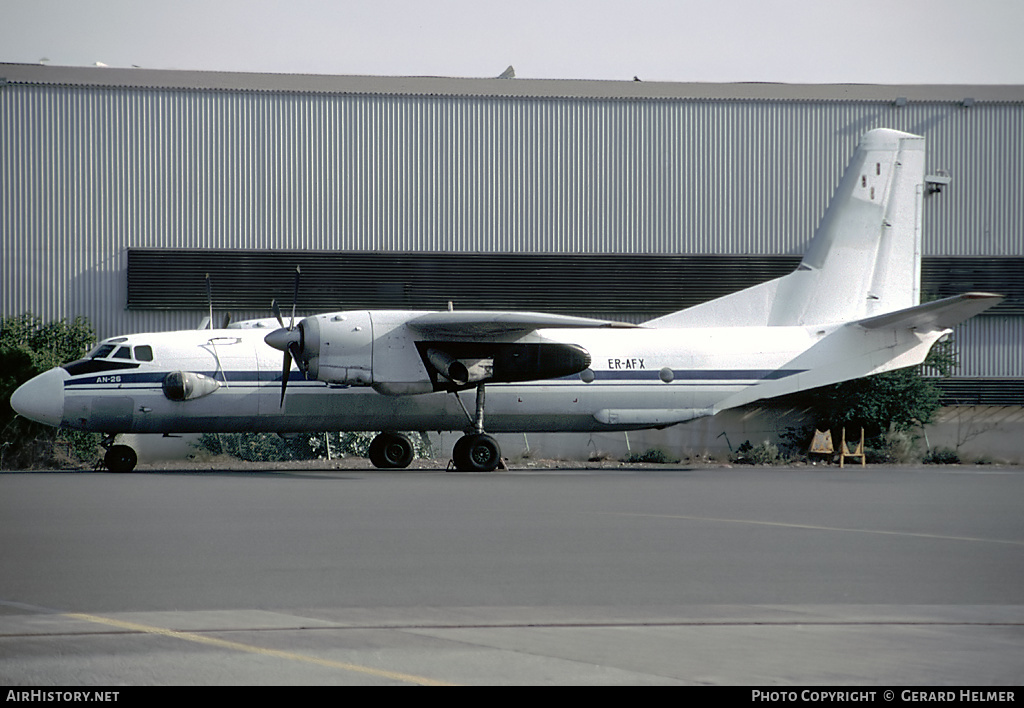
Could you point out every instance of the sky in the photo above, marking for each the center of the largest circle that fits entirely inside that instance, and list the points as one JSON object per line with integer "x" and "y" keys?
{"x": 788, "y": 41}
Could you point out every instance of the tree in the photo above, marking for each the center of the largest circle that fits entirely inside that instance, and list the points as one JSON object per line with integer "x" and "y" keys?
{"x": 28, "y": 347}
{"x": 896, "y": 400}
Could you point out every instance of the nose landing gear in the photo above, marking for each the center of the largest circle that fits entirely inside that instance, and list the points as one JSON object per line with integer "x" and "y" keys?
{"x": 118, "y": 458}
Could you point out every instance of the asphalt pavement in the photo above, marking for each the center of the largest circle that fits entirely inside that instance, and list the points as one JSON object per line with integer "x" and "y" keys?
{"x": 670, "y": 575}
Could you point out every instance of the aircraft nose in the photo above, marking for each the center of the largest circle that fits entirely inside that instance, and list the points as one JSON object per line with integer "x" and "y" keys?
{"x": 42, "y": 398}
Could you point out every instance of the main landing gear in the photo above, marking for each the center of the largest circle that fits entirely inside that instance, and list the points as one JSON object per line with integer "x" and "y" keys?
{"x": 118, "y": 458}
{"x": 476, "y": 451}
{"x": 391, "y": 451}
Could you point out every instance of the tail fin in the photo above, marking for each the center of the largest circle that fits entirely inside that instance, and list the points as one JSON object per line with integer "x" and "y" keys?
{"x": 864, "y": 259}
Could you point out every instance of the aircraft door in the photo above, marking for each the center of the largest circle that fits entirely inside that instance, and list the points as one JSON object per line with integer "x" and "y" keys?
{"x": 111, "y": 413}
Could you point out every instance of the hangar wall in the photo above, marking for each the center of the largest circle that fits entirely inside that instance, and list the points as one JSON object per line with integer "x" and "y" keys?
{"x": 95, "y": 162}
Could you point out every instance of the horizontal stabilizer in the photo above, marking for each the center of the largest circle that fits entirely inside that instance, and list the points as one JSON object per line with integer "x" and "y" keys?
{"x": 932, "y": 316}
{"x": 469, "y": 323}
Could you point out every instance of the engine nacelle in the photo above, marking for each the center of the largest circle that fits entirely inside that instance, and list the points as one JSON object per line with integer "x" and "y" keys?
{"x": 362, "y": 348}
{"x": 463, "y": 364}
{"x": 338, "y": 348}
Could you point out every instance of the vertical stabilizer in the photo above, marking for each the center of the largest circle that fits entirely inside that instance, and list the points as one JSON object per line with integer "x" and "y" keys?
{"x": 864, "y": 259}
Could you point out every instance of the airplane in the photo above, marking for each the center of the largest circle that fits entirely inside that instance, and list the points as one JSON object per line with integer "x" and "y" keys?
{"x": 850, "y": 309}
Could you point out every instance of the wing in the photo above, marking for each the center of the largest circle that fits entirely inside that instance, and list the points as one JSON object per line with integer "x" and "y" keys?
{"x": 478, "y": 323}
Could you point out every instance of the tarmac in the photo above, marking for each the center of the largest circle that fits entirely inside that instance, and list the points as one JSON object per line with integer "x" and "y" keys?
{"x": 621, "y": 575}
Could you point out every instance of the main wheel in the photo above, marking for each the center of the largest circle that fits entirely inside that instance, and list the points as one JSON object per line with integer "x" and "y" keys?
{"x": 391, "y": 451}
{"x": 120, "y": 458}
{"x": 476, "y": 453}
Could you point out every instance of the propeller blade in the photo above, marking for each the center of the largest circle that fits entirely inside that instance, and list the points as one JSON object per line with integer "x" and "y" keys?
{"x": 295, "y": 296}
{"x": 285, "y": 372}
{"x": 295, "y": 348}
{"x": 277, "y": 312}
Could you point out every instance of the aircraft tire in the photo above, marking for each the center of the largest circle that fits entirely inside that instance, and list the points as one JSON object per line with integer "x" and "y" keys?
{"x": 120, "y": 458}
{"x": 391, "y": 451}
{"x": 476, "y": 453}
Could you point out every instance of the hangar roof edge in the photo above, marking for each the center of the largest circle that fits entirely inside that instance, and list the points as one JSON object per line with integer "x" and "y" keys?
{"x": 494, "y": 87}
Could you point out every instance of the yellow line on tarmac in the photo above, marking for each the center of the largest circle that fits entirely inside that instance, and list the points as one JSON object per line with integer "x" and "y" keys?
{"x": 818, "y": 528}
{"x": 238, "y": 646}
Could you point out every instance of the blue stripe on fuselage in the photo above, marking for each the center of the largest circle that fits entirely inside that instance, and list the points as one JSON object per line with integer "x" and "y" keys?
{"x": 697, "y": 374}
{"x": 250, "y": 377}
{"x": 156, "y": 377}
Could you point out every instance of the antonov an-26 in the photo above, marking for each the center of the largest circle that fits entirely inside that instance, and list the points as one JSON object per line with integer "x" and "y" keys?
{"x": 850, "y": 309}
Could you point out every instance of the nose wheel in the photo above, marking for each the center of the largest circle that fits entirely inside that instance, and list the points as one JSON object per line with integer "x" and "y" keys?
{"x": 120, "y": 458}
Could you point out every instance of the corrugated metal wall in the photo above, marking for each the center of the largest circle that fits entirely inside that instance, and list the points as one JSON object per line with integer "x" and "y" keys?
{"x": 990, "y": 347}
{"x": 88, "y": 172}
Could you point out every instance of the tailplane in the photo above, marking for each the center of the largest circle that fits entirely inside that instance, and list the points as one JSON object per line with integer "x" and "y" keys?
{"x": 872, "y": 345}
{"x": 864, "y": 259}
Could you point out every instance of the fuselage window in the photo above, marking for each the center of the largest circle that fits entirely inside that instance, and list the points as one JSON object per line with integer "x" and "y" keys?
{"x": 144, "y": 352}
{"x": 123, "y": 353}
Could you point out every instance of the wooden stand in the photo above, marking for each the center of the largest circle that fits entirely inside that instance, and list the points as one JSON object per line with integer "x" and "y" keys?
{"x": 858, "y": 451}
{"x": 821, "y": 445}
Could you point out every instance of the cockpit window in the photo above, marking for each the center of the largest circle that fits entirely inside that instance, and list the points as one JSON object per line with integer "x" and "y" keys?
{"x": 101, "y": 351}
{"x": 143, "y": 352}
{"x": 110, "y": 349}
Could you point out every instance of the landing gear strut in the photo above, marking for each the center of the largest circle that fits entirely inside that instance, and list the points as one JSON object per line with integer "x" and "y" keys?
{"x": 476, "y": 451}
{"x": 391, "y": 451}
{"x": 118, "y": 458}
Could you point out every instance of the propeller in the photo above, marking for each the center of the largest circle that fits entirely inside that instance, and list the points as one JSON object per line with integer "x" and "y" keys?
{"x": 287, "y": 339}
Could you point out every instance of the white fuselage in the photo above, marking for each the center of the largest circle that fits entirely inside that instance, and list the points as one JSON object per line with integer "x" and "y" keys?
{"x": 638, "y": 378}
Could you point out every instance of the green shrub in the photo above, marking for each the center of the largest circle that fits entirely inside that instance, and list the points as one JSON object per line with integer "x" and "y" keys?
{"x": 271, "y": 447}
{"x": 795, "y": 442}
{"x": 28, "y": 347}
{"x": 942, "y": 456}
{"x": 894, "y": 447}
{"x": 764, "y": 454}
{"x": 652, "y": 455}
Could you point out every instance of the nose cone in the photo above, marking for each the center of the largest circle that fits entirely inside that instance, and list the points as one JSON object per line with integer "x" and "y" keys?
{"x": 42, "y": 399}
{"x": 280, "y": 338}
